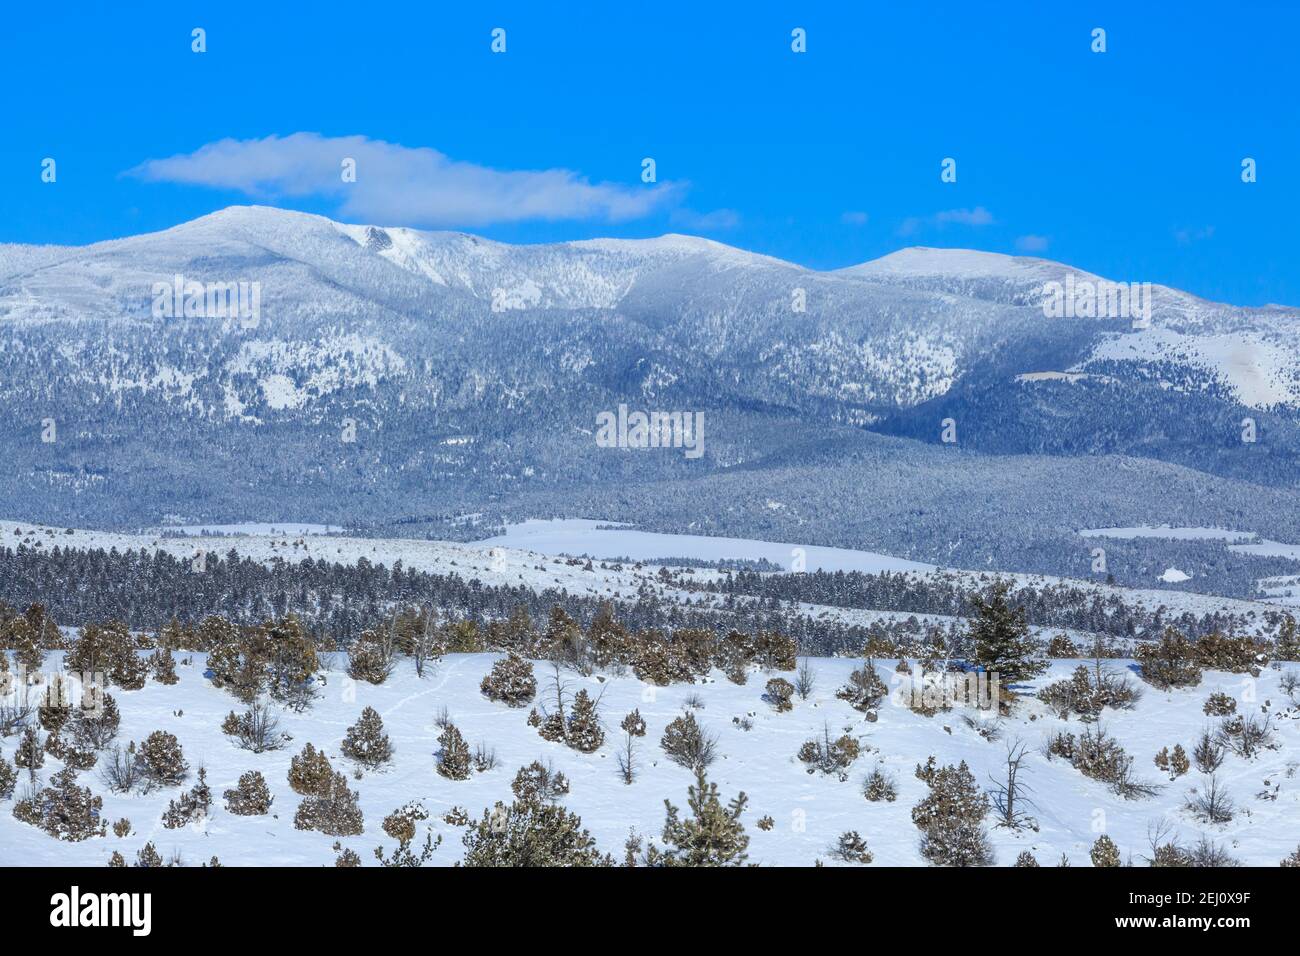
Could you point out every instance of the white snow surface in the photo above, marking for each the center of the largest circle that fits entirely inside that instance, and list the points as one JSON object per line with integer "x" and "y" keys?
{"x": 809, "y": 811}
{"x": 577, "y": 536}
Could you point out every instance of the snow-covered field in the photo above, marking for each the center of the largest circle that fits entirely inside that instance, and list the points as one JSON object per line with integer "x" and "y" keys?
{"x": 531, "y": 554}
{"x": 809, "y": 811}
{"x": 577, "y": 536}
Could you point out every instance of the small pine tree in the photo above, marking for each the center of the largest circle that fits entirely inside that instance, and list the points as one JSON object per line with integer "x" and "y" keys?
{"x": 366, "y": 742}
{"x": 8, "y": 779}
{"x": 528, "y": 833}
{"x": 251, "y": 797}
{"x": 310, "y": 773}
{"x": 335, "y": 812}
{"x": 780, "y": 694}
{"x": 712, "y": 836}
{"x": 191, "y": 807}
{"x": 634, "y": 724}
{"x": 511, "y": 681}
{"x": 1026, "y": 859}
{"x": 851, "y": 848}
{"x": 163, "y": 666}
{"x": 30, "y": 754}
{"x": 1104, "y": 852}
{"x": 585, "y": 733}
{"x": 148, "y": 856}
{"x": 951, "y": 817}
{"x": 162, "y": 761}
{"x": 453, "y": 754}
{"x": 1000, "y": 637}
{"x": 539, "y": 783}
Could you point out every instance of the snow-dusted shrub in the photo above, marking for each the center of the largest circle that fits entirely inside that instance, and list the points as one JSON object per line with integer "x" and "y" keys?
{"x": 191, "y": 806}
{"x": 780, "y": 694}
{"x": 831, "y": 757}
{"x": 29, "y": 755}
{"x": 95, "y": 724}
{"x": 511, "y": 681}
{"x": 539, "y": 782}
{"x": 1087, "y": 692}
{"x": 64, "y": 810}
{"x": 1219, "y": 704}
{"x": 250, "y": 797}
{"x": 879, "y": 786}
{"x": 1246, "y": 735}
{"x": 163, "y": 666}
{"x": 71, "y": 752}
{"x": 686, "y": 743}
{"x": 366, "y": 742}
{"x": 372, "y": 657}
{"x": 1100, "y": 756}
{"x": 162, "y": 761}
{"x": 951, "y": 817}
{"x": 1170, "y": 662}
{"x": 310, "y": 773}
{"x": 1104, "y": 852}
{"x": 148, "y": 857}
{"x": 531, "y": 834}
{"x": 1175, "y": 764}
{"x": 851, "y": 848}
{"x": 1026, "y": 860}
{"x": 1239, "y": 655}
{"x": 865, "y": 690}
{"x": 8, "y": 779}
{"x": 256, "y": 729}
{"x": 334, "y": 812}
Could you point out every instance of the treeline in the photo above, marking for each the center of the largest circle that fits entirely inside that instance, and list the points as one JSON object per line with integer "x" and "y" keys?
{"x": 338, "y": 602}
{"x": 1058, "y": 605}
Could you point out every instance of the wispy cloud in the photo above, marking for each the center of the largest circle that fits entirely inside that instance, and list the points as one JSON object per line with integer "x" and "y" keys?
{"x": 979, "y": 216}
{"x": 404, "y": 185}
{"x": 712, "y": 221}
{"x": 1032, "y": 243}
{"x": 1186, "y": 236}
{"x": 854, "y": 218}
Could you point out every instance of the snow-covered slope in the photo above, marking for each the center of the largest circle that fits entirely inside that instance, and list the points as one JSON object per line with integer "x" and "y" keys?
{"x": 808, "y": 811}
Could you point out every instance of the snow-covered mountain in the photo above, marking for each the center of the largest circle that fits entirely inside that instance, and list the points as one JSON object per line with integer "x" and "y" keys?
{"x": 396, "y": 375}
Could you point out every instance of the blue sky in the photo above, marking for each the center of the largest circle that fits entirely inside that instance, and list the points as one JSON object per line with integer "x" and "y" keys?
{"x": 1126, "y": 163}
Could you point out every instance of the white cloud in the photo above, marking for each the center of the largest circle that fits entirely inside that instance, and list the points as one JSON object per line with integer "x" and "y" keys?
{"x": 1186, "y": 236}
{"x": 979, "y": 216}
{"x": 404, "y": 185}
{"x": 854, "y": 218}
{"x": 1032, "y": 243}
{"x": 707, "y": 221}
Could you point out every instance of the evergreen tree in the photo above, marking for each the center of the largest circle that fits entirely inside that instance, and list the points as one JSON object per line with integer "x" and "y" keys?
{"x": 531, "y": 833}
{"x": 366, "y": 742}
{"x": 711, "y": 836}
{"x": 585, "y": 733}
{"x": 453, "y": 754}
{"x": 951, "y": 817}
{"x": 1104, "y": 852}
{"x": 1000, "y": 637}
